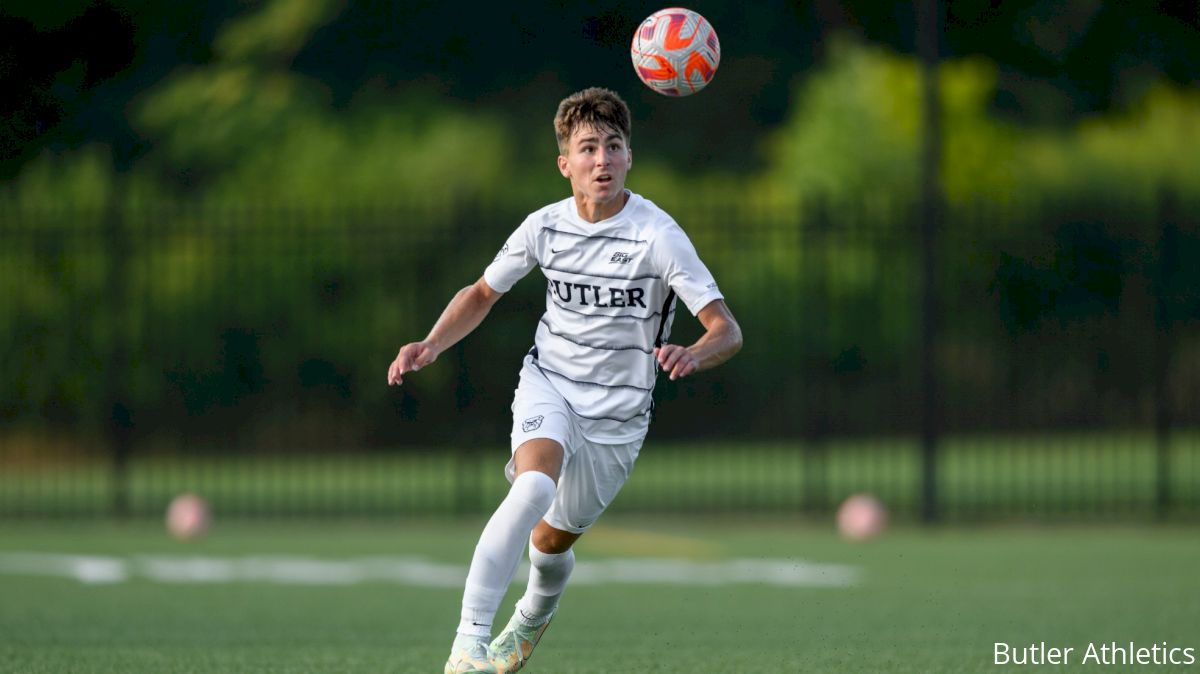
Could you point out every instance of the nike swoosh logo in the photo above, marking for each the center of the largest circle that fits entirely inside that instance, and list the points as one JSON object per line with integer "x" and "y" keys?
{"x": 556, "y": 252}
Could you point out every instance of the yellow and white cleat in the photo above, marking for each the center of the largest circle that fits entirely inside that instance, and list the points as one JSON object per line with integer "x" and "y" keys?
{"x": 512, "y": 648}
{"x": 469, "y": 657}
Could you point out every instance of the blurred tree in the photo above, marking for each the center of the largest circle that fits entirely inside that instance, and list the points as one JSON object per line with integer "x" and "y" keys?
{"x": 245, "y": 127}
{"x": 1058, "y": 59}
{"x": 71, "y": 69}
{"x": 52, "y": 60}
{"x": 275, "y": 309}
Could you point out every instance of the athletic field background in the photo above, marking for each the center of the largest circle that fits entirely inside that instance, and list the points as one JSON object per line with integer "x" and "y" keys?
{"x": 732, "y": 594}
{"x": 962, "y": 241}
{"x": 1095, "y": 476}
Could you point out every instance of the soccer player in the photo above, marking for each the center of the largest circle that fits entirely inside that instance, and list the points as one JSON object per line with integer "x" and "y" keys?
{"x": 615, "y": 264}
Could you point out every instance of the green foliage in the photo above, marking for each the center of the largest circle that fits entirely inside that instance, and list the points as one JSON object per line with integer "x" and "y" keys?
{"x": 275, "y": 246}
{"x": 853, "y": 128}
{"x": 276, "y": 33}
{"x": 376, "y": 156}
{"x": 246, "y": 129}
{"x": 206, "y": 119}
{"x": 83, "y": 180}
{"x": 1137, "y": 153}
{"x": 856, "y": 131}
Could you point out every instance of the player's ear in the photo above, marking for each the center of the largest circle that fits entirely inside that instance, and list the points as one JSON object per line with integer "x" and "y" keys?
{"x": 563, "y": 167}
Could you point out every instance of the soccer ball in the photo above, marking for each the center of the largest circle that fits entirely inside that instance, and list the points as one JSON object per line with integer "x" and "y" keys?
{"x": 188, "y": 517}
{"x": 675, "y": 52}
{"x": 861, "y": 517}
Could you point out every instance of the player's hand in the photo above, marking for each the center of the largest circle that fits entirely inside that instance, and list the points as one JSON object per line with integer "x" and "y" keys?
{"x": 676, "y": 360}
{"x": 412, "y": 357}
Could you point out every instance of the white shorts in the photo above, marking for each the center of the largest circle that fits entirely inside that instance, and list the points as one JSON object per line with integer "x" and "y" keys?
{"x": 592, "y": 472}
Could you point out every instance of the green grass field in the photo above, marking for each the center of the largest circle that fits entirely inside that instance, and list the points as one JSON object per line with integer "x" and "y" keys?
{"x": 922, "y": 600}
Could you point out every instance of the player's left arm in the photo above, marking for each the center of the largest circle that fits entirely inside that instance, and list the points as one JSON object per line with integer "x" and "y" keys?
{"x": 722, "y": 338}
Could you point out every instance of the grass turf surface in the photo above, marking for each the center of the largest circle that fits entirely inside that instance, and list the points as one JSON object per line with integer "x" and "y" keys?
{"x": 928, "y": 601}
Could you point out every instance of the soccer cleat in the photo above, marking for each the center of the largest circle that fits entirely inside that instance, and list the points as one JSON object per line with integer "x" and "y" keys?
{"x": 512, "y": 648}
{"x": 472, "y": 659}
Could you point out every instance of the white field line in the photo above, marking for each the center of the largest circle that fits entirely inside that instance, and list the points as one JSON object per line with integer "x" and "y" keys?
{"x": 414, "y": 571}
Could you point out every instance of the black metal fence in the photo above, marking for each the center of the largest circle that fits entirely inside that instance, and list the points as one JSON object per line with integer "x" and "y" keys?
{"x": 241, "y": 352}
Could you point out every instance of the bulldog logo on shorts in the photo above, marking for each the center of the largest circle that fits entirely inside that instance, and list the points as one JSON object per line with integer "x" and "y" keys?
{"x": 532, "y": 423}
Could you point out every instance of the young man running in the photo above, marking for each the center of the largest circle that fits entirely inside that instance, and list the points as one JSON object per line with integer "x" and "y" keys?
{"x": 615, "y": 264}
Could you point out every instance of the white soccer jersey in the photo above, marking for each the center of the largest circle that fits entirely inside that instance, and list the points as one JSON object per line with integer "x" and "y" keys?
{"x": 610, "y": 299}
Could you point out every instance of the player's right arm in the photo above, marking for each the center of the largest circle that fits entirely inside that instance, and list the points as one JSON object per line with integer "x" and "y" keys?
{"x": 465, "y": 312}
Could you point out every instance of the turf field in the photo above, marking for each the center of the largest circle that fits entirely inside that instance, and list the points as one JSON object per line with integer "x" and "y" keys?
{"x": 730, "y": 594}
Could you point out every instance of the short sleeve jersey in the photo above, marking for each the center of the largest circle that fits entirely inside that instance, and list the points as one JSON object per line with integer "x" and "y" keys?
{"x": 611, "y": 290}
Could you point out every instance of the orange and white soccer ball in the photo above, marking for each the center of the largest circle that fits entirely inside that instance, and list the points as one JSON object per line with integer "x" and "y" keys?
{"x": 188, "y": 517}
{"x": 861, "y": 517}
{"x": 675, "y": 52}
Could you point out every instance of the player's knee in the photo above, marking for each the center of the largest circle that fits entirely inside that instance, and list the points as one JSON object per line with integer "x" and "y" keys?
{"x": 552, "y": 541}
{"x": 535, "y": 488}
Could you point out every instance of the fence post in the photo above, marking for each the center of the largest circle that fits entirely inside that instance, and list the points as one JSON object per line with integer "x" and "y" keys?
{"x": 118, "y": 429}
{"x": 928, "y": 28}
{"x": 815, "y": 250}
{"x": 468, "y": 498}
{"x": 1164, "y": 345}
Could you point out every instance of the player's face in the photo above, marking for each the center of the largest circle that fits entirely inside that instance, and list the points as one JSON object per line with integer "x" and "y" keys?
{"x": 596, "y": 162}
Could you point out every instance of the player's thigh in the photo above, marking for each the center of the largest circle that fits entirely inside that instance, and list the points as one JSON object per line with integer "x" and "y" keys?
{"x": 589, "y": 483}
{"x": 541, "y": 429}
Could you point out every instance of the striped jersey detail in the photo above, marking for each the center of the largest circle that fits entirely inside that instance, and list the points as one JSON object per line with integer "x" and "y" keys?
{"x": 606, "y": 347}
{"x": 611, "y": 288}
{"x": 551, "y": 230}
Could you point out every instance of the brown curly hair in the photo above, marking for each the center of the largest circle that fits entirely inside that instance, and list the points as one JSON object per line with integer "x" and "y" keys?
{"x": 595, "y": 107}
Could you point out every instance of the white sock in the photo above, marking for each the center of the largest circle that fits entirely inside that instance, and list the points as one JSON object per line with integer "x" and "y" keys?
{"x": 464, "y": 642}
{"x": 499, "y": 550}
{"x": 548, "y": 574}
